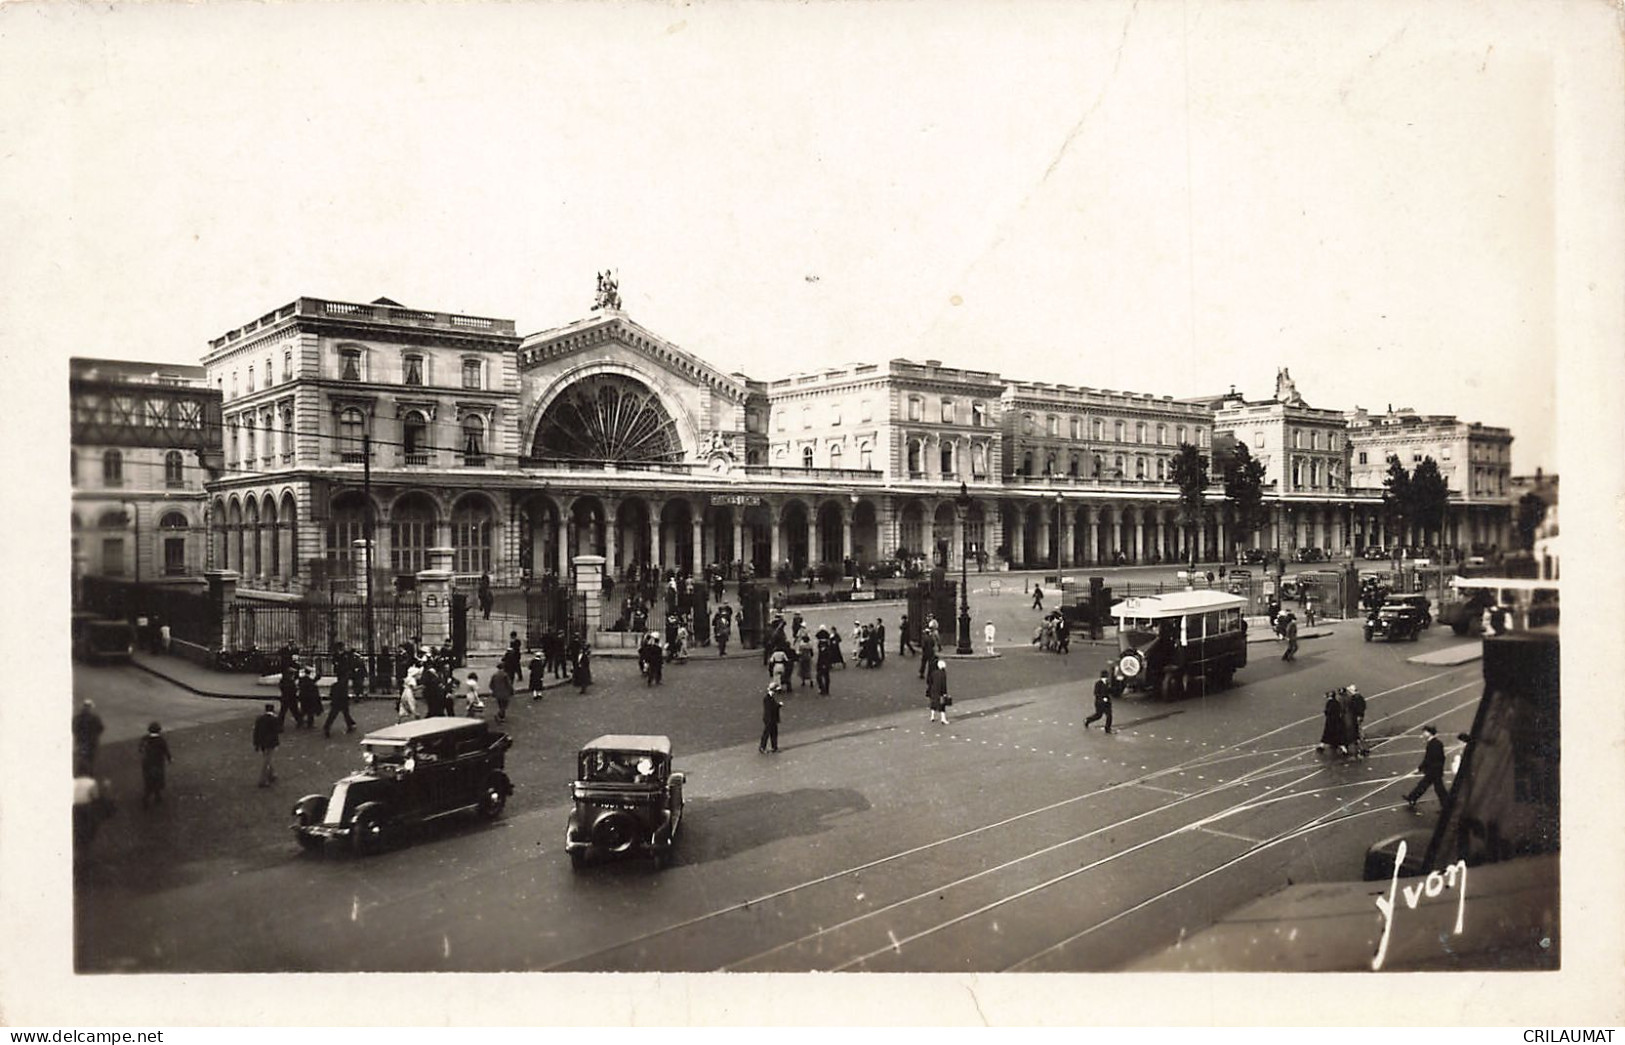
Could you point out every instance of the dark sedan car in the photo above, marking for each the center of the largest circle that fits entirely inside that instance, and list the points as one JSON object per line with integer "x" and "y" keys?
{"x": 416, "y": 771}
{"x": 627, "y": 800}
{"x": 1395, "y": 619}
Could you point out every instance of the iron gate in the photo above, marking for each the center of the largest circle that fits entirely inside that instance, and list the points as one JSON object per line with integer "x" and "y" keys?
{"x": 553, "y": 606}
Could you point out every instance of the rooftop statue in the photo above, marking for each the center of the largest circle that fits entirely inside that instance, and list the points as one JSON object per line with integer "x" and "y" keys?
{"x": 609, "y": 292}
{"x": 1285, "y": 390}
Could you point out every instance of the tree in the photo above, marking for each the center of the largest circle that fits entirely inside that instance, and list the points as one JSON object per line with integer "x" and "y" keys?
{"x": 1396, "y": 498}
{"x": 1531, "y": 510}
{"x": 1430, "y": 496}
{"x": 1244, "y": 490}
{"x": 1190, "y": 475}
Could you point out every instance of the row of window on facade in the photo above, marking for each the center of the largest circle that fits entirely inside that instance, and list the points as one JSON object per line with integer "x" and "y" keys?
{"x": 113, "y": 468}
{"x": 1097, "y": 431}
{"x": 245, "y": 441}
{"x": 1298, "y": 440}
{"x": 354, "y": 363}
{"x": 172, "y": 541}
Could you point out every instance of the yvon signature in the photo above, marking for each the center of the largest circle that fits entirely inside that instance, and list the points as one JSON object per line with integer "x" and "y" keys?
{"x": 1435, "y": 883}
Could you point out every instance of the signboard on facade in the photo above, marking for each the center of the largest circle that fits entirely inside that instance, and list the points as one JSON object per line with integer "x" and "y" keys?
{"x": 743, "y": 500}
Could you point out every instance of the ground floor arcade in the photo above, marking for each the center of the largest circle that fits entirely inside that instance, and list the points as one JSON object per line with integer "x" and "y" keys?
{"x": 300, "y": 534}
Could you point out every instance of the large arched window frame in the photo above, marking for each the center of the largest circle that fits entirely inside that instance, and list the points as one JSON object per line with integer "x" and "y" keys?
{"x": 174, "y": 468}
{"x": 473, "y": 441}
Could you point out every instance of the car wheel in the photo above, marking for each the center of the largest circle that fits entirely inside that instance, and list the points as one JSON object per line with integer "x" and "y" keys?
{"x": 369, "y": 831}
{"x": 310, "y": 810}
{"x": 493, "y": 798}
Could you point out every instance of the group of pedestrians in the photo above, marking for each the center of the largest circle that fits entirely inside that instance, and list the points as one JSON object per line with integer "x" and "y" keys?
{"x": 1342, "y": 728}
{"x": 1053, "y": 634}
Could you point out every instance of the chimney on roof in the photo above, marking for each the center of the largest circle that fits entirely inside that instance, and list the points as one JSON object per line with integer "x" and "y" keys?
{"x": 933, "y": 362}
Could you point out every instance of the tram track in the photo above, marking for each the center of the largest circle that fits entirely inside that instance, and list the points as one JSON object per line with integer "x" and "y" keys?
{"x": 932, "y": 849}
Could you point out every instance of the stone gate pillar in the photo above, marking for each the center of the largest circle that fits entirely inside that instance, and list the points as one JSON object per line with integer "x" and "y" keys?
{"x": 590, "y": 584}
{"x": 222, "y": 600}
{"x": 434, "y": 596}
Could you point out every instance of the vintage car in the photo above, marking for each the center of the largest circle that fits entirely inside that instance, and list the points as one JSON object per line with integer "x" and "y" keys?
{"x": 1396, "y": 618}
{"x": 628, "y": 800}
{"x": 1376, "y": 551}
{"x": 1424, "y": 607}
{"x": 1251, "y": 556}
{"x": 1178, "y": 643}
{"x": 416, "y": 771}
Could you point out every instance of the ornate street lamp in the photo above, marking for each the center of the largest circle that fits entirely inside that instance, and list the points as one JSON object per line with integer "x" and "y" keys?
{"x": 964, "y": 503}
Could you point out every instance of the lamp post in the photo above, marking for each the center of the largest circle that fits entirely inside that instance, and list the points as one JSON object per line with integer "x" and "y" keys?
{"x": 964, "y": 503}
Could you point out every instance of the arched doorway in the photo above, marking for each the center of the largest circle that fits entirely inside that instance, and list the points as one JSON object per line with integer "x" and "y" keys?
{"x": 677, "y": 535}
{"x": 831, "y": 527}
{"x": 759, "y": 539}
{"x": 289, "y": 517}
{"x": 866, "y": 534}
{"x": 943, "y": 552}
{"x": 911, "y": 529}
{"x": 539, "y": 537}
{"x": 587, "y": 521}
{"x": 794, "y": 540}
{"x": 633, "y": 550}
{"x": 172, "y": 531}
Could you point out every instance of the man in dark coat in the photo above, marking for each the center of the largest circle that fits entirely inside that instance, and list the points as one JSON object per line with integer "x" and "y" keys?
{"x": 928, "y": 651}
{"x": 434, "y": 691}
{"x": 880, "y": 639}
{"x": 502, "y": 693}
{"x": 825, "y": 657}
{"x": 288, "y": 686}
{"x": 905, "y": 645}
{"x": 722, "y": 629}
{"x": 582, "y": 677}
{"x": 1331, "y": 730}
{"x": 87, "y": 733}
{"x": 1291, "y": 638}
{"x": 155, "y": 758}
{"x": 309, "y": 697}
{"x": 654, "y": 660}
{"x": 1432, "y": 770}
{"x": 770, "y": 719}
{"x": 267, "y": 735}
{"x": 1103, "y": 701}
{"x": 338, "y": 702}
{"x": 1354, "y": 719}
{"x": 486, "y": 597}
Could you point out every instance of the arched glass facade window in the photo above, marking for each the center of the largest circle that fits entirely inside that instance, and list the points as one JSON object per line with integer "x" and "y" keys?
{"x": 807, "y": 457}
{"x": 1139, "y": 432}
{"x": 866, "y": 457}
{"x": 835, "y": 456}
{"x": 471, "y": 537}
{"x": 946, "y": 458}
{"x": 174, "y": 469}
{"x": 1049, "y": 464}
{"x": 1119, "y": 431}
{"x": 1162, "y": 469}
{"x": 914, "y": 457}
{"x": 112, "y": 468}
{"x": 1027, "y": 463}
{"x": 978, "y": 414}
{"x": 1139, "y": 468}
{"x": 411, "y": 531}
{"x": 1072, "y": 466}
{"x": 978, "y": 460}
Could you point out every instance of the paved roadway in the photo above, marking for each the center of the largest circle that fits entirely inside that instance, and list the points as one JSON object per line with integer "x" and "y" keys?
{"x": 1010, "y": 839}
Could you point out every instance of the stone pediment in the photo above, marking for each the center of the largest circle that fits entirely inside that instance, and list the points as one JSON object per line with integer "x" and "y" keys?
{"x": 593, "y": 335}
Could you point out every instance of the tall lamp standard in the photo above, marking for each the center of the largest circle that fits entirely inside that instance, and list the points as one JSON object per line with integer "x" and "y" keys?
{"x": 964, "y": 503}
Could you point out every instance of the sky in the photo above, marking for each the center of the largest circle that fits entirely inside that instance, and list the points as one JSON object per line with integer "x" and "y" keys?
{"x": 1161, "y": 197}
